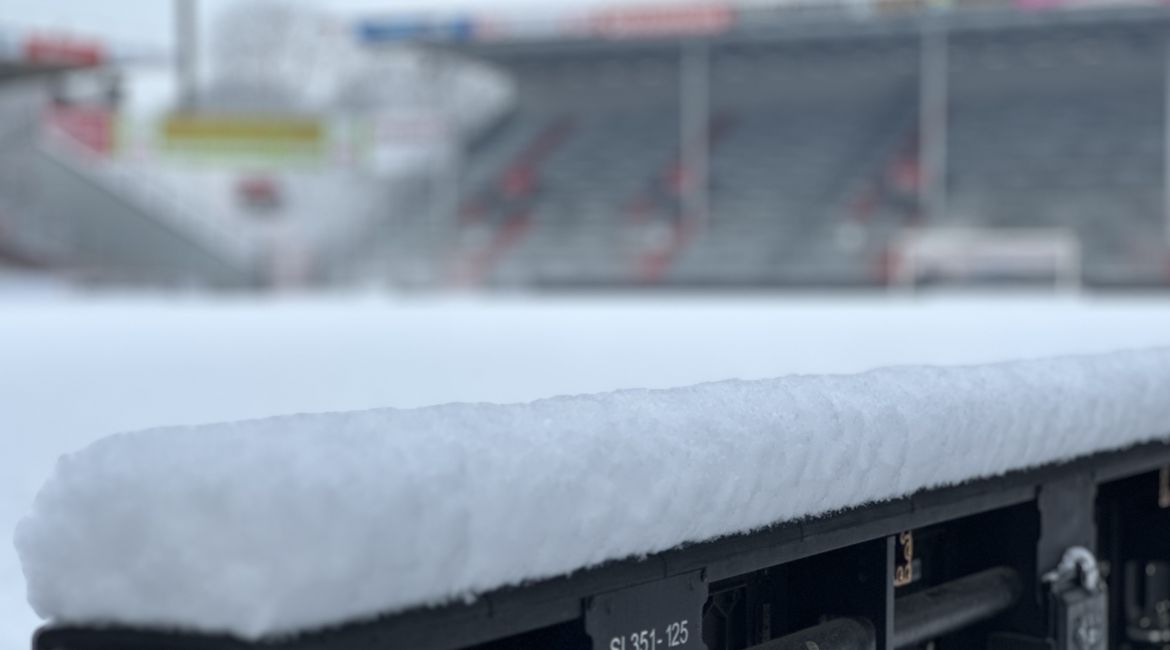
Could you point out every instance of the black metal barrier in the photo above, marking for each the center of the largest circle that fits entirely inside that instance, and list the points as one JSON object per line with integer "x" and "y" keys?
{"x": 1073, "y": 556}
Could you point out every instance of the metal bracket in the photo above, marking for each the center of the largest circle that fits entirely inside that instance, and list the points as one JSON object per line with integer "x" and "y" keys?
{"x": 1080, "y": 608}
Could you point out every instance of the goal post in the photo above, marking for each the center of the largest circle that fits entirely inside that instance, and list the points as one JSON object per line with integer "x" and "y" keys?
{"x": 987, "y": 256}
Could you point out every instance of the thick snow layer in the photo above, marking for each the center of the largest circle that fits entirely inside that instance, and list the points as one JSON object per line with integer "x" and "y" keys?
{"x": 276, "y": 525}
{"x": 73, "y": 370}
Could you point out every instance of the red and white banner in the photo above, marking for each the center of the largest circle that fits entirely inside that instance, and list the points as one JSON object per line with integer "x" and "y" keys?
{"x": 667, "y": 20}
{"x": 1084, "y": 4}
{"x": 62, "y": 50}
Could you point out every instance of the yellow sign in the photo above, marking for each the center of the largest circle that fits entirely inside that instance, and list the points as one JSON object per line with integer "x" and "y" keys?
{"x": 246, "y": 135}
{"x": 226, "y": 127}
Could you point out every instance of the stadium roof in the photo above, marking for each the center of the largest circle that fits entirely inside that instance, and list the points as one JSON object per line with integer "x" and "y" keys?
{"x": 613, "y": 36}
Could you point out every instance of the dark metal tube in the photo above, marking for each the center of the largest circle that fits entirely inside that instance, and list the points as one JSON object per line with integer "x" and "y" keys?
{"x": 835, "y": 634}
{"x": 954, "y": 605}
{"x": 918, "y": 617}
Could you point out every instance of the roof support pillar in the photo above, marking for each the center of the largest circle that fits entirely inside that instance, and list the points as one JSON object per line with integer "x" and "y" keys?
{"x": 1166, "y": 142}
{"x": 694, "y": 136}
{"x": 932, "y": 119}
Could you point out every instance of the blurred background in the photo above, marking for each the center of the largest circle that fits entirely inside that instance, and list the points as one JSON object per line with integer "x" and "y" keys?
{"x": 257, "y": 145}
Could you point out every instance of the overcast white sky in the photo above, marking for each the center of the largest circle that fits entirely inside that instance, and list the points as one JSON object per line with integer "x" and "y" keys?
{"x": 148, "y": 22}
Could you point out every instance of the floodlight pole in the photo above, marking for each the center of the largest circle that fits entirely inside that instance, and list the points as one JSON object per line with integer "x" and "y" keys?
{"x": 186, "y": 17}
{"x": 445, "y": 182}
{"x": 695, "y": 125}
{"x": 932, "y": 119}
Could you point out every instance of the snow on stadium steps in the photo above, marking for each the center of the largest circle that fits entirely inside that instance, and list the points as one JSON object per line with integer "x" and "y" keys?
{"x": 290, "y": 523}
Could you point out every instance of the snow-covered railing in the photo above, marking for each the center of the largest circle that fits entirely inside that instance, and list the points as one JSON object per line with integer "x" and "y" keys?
{"x": 285, "y": 524}
{"x": 234, "y": 245}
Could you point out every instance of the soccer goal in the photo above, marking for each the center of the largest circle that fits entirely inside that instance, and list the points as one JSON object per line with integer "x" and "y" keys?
{"x": 976, "y": 257}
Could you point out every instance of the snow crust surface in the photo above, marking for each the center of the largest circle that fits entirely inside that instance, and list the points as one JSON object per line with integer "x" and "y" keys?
{"x": 283, "y": 524}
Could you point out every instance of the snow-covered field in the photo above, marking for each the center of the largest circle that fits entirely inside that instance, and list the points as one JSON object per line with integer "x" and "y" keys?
{"x": 73, "y": 370}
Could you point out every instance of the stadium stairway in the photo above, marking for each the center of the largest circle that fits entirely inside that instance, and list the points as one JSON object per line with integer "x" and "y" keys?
{"x": 499, "y": 214}
{"x": 663, "y": 206}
